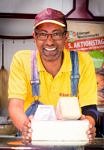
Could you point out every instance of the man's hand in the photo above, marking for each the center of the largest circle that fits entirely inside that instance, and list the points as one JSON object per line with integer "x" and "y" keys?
{"x": 26, "y": 131}
{"x": 92, "y": 130}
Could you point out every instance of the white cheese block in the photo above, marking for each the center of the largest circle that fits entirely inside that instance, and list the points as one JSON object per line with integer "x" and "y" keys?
{"x": 69, "y": 108}
{"x": 74, "y": 130}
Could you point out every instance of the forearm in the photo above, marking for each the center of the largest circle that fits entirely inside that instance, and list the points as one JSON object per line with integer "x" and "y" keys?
{"x": 91, "y": 120}
{"x": 17, "y": 114}
{"x": 18, "y": 118}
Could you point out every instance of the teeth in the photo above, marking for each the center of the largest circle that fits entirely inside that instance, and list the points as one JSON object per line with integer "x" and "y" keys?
{"x": 50, "y": 49}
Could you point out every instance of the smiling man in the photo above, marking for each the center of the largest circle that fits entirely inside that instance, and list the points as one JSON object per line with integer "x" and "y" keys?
{"x": 44, "y": 74}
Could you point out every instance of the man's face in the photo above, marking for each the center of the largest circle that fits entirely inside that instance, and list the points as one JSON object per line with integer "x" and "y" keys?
{"x": 50, "y": 39}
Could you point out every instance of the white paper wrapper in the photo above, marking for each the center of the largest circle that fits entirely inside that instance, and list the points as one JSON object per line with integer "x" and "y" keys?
{"x": 45, "y": 112}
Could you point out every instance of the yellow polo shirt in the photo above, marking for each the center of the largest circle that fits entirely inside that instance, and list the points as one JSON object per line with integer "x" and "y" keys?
{"x": 51, "y": 88}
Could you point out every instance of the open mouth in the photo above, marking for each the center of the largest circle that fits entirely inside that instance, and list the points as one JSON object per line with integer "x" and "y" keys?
{"x": 50, "y": 51}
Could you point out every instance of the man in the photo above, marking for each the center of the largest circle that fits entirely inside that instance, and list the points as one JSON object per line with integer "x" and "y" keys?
{"x": 54, "y": 68}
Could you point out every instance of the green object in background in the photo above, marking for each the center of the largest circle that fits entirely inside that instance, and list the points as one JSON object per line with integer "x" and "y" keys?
{"x": 98, "y": 57}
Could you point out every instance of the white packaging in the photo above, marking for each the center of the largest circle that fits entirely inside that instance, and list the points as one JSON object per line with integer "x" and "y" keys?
{"x": 73, "y": 130}
{"x": 68, "y": 108}
{"x": 45, "y": 112}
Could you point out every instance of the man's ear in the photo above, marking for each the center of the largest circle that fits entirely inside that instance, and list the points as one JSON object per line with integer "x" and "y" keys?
{"x": 33, "y": 34}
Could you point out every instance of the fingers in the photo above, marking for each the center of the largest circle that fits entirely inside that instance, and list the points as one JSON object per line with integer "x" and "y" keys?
{"x": 26, "y": 131}
{"x": 26, "y": 139}
{"x": 91, "y": 133}
{"x": 82, "y": 117}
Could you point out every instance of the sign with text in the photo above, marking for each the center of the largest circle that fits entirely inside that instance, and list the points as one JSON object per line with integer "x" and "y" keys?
{"x": 85, "y": 36}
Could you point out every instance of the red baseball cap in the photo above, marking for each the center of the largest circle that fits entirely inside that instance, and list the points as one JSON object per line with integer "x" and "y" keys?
{"x": 52, "y": 16}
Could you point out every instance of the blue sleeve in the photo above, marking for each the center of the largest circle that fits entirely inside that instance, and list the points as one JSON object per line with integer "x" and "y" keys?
{"x": 91, "y": 110}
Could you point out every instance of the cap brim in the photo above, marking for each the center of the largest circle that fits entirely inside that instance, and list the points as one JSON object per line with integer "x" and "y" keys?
{"x": 49, "y": 21}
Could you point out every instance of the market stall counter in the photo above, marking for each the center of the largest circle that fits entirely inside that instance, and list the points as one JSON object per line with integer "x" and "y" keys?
{"x": 12, "y": 142}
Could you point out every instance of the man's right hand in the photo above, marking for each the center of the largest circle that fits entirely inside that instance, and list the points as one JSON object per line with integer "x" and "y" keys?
{"x": 26, "y": 131}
